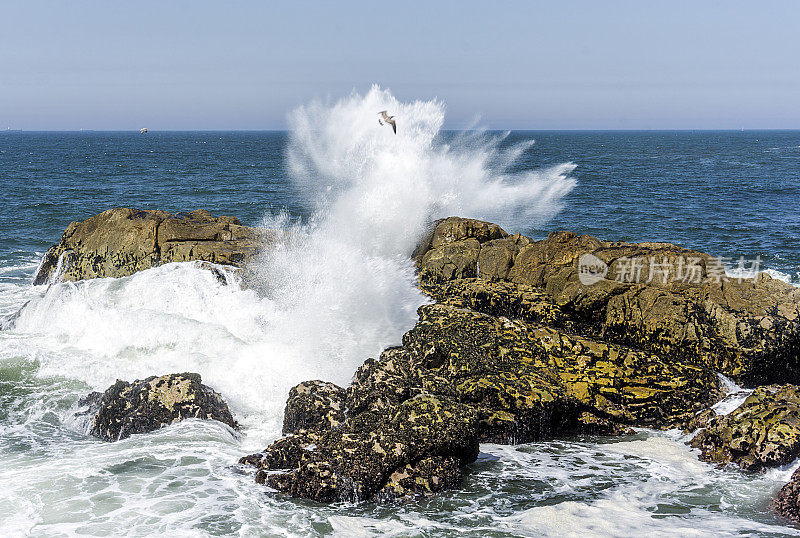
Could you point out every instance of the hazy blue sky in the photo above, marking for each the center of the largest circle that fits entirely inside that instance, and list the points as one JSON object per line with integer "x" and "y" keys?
{"x": 539, "y": 65}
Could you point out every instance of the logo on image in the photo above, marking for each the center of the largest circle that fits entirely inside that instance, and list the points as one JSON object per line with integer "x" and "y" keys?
{"x": 591, "y": 269}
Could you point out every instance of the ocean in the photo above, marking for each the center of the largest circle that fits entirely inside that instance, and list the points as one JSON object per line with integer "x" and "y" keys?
{"x": 357, "y": 198}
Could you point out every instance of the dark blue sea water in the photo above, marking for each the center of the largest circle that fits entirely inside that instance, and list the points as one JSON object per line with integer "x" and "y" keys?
{"x": 343, "y": 294}
{"x": 729, "y": 193}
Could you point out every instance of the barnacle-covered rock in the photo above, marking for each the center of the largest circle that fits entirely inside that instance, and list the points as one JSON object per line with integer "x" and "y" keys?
{"x": 425, "y": 477}
{"x": 145, "y": 405}
{"x": 762, "y": 432}
{"x": 314, "y": 405}
{"x": 355, "y": 461}
{"x": 655, "y": 297}
{"x": 787, "y": 502}
{"x": 519, "y": 347}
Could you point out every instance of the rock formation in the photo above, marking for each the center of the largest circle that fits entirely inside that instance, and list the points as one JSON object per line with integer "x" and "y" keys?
{"x": 314, "y": 405}
{"x": 146, "y": 405}
{"x": 680, "y": 304}
{"x": 372, "y": 455}
{"x": 528, "y": 351}
{"x": 525, "y": 340}
{"x": 762, "y": 432}
{"x": 122, "y": 241}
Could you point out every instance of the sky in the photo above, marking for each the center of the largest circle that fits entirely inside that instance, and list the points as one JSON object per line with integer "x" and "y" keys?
{"x": 166, "y": 65}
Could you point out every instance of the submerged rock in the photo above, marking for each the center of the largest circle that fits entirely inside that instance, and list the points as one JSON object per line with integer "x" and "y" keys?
{"x": 122, "y": 241}
{"x": 146, "y": 405}
{"x": 762, "y": 432}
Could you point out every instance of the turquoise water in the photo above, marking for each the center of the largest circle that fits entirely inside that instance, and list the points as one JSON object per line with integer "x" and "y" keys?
{"x": 729, "y": 193}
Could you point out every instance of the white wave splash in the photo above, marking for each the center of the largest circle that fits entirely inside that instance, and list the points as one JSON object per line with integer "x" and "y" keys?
{"x": 335, "y": 291}
{"x": 382, "y": 189}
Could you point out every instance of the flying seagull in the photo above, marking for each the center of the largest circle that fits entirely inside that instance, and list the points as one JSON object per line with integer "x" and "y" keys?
{"x": 388, "y": 119}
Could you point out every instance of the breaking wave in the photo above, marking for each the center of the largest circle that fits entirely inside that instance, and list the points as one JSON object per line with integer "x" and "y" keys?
{"x": 332, "y": 292}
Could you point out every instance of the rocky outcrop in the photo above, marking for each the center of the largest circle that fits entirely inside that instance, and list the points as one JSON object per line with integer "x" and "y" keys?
{"x": 415, "y": 416}
{"x": 521, "y": 346}
{"x": 526, "y": 340}
{"x": 631, "y": 334}
{"x": 655, "y": 297}
{"x": 425, "y": 477}
{"x": 146, "y": 405}
{"x": 787, "y": 502}
{"x": 122, "y": 241}
{"x": 762, "y": 432}
{"x": 373, "y": 455}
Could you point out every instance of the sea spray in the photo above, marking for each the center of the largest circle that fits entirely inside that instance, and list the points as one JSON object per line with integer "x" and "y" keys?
{"x": 382, "y": 190}
{"x": 343, "y": 282}
{"x": 332, "y": 292}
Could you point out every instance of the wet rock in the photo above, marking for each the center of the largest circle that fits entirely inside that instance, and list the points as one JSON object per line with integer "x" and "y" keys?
{"x": 314, "y": 405}
{"x": 122, "y": 241}
{"x": 462, "y": 377}
{"x": 284, "y": 453}
{"x": 515, "y": 301}
{"x": 545, "y": 378}
{"x": 591, "y": 424}
{"x": 787, "y": 502}
{"x": 762, "y": 432}
{"x": 700, "y": 420}
{"x": 145, "y": 405}
{"x": 494, "y": 365}
{"x": 425, "y": 477}
{"x": 356, "y": 461}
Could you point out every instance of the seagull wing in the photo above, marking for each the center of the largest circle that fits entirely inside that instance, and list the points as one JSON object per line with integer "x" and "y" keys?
{"x": 393, "y": 124}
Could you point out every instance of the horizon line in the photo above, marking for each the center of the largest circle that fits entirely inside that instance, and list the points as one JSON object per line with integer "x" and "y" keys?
{"x": 642, "y": 129}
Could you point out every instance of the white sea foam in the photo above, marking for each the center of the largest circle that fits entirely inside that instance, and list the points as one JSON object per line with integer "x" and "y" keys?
{"x": 779, "y": 275}
{"x": 653, "y": 484}
{"x": 380, "y": 190}
{"x": 734, "y": 396}
{"x": 742, "y": 273}
{"x": 332, "y": 292}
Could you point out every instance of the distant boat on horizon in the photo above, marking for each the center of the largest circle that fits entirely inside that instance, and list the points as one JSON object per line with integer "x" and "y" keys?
{"x": 143, "y": 130}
